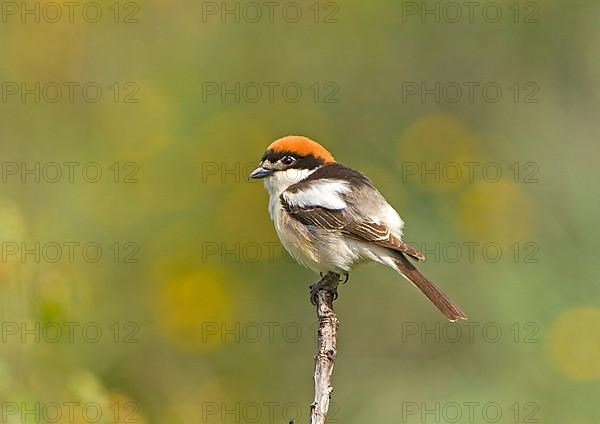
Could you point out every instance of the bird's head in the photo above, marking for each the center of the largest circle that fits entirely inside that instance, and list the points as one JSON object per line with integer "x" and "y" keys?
{"x": 290, "y": 159}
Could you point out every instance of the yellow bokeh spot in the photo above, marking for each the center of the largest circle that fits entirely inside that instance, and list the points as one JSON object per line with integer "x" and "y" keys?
{"x": 123, "y": 409}
{"x": 432, "y": 147}
{"x": 501, "y": 212}
{"x": 182, "y": 403}
{"x": 574, "y": 344}
{"x": 192, "y": 305}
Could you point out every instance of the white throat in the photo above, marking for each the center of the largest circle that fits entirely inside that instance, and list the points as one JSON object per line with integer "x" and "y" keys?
{"x": 280, "y": 181}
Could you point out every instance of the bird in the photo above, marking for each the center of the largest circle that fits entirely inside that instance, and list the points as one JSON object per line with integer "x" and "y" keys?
{"x": 330, "y": 217}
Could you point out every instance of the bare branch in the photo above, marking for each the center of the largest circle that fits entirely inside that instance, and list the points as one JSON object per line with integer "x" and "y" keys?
{"x": 323, "y": 293}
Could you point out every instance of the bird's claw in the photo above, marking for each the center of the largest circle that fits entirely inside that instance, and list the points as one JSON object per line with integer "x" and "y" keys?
{"x": 315, "y": 288}
{"x": 346, "y": 278}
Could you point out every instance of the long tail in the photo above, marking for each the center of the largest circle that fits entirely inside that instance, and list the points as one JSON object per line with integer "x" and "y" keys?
{"x": 446, "y": 306}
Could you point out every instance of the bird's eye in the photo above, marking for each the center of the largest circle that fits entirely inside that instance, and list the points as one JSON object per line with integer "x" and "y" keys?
{"x": 288, "y": 160}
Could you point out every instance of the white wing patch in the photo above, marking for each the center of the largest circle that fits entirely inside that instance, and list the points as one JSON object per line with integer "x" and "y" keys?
{"x": 325, "y": 193}
{"x": 390, "y": 218}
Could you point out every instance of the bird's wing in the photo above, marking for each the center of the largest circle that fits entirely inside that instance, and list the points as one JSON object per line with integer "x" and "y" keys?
{"x": 381, "y": 235}
{"x": 328, "y": 203}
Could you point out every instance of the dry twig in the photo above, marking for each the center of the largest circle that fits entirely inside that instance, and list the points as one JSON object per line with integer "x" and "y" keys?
{"x": 323, "y": 293}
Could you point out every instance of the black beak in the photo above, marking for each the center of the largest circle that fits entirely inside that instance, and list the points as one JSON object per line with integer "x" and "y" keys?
{"x": 261, "y": 172}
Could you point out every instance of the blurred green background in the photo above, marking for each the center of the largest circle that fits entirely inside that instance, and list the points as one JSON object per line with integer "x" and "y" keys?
{"x": 203, "y": 317}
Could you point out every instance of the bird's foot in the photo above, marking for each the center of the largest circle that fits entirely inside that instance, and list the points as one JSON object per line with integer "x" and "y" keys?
{"x": 346, "y": 278}
{"x": 317, "y": 287}
{"x": 327, "y": 283}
